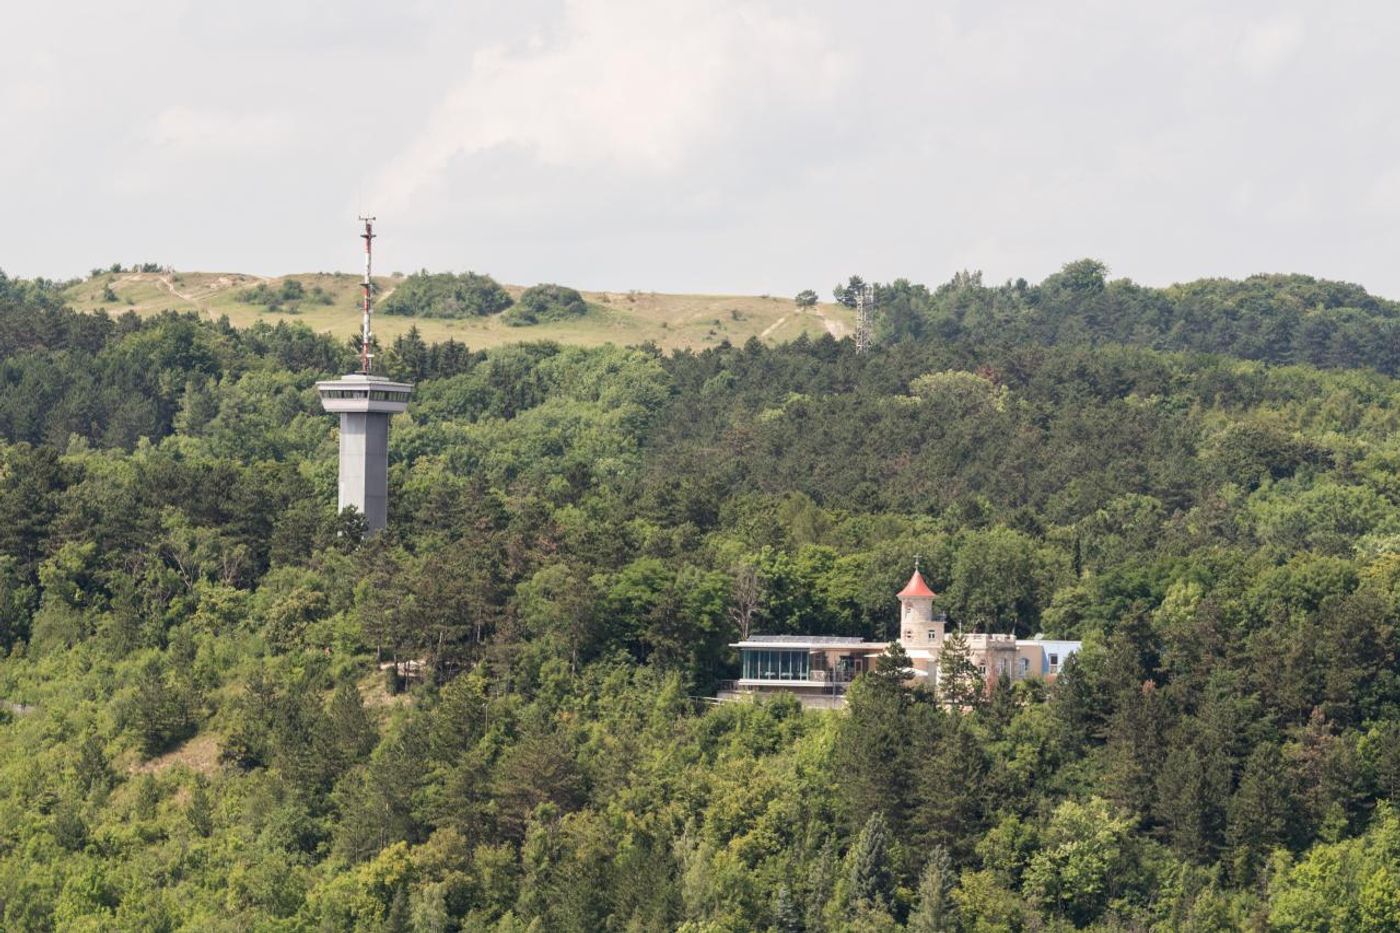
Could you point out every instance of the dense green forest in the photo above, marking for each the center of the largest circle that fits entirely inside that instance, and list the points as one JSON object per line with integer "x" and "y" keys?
{"x": 204, "y": 724}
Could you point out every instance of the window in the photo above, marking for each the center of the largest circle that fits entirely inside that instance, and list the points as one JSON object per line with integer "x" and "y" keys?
{"x": 762, "y": 664}
{"x": 1054, "y": 663}
{"x": 377, "y": 395}
{"x": 933, "y": 634}
{"x": 1025, "y": 666}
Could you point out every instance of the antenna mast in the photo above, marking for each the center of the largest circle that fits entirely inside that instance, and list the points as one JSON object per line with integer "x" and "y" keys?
{"x": 865, "y": 318}
{"x": 366, "y": 335}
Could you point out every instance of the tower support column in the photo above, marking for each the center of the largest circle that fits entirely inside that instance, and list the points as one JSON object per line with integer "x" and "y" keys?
{"x": 365, "y": 405}
{"x": 364, "y": 466}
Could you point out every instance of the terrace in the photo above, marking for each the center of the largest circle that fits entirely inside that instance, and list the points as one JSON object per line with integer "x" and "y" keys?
{"x": 800, "y": 663}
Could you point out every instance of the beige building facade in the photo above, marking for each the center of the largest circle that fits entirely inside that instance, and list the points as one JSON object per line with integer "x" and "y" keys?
{"x": 818, "y": 669}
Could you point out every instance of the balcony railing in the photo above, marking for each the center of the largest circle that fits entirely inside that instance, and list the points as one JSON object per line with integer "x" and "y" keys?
{"x": 814, "y": 676}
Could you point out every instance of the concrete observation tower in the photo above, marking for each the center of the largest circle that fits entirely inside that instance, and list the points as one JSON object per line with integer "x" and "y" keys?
{"x": 365, "y": 403}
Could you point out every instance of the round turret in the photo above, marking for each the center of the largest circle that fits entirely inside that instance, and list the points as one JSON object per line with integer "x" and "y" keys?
{"x": 918, "y": 627}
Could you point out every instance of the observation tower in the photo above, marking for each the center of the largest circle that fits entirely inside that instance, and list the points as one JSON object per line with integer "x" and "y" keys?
{"x": 365, "y": 403}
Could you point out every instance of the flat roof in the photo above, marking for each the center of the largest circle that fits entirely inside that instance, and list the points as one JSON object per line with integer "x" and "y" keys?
{"x": 807, "y": 641}
{"x": 363, "y": 381}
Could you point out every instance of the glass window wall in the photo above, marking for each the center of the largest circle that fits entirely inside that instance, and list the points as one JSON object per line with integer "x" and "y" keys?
{"x": 775, "y": 664}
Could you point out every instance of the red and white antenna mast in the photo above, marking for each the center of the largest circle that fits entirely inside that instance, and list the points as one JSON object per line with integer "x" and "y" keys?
{"x": 865, "y": 324}
{"x": 366, "y": 335}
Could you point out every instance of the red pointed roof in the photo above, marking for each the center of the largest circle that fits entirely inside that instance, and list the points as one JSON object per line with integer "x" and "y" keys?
{"x": 916, "y": 587}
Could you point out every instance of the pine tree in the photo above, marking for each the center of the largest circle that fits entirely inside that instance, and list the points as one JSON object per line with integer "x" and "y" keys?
{"x": 1136, "y": 748}
{"x": 408, "y": 356}
{"x": 951, "y": 789}
{"x": 1381, "y": 750}
{"x": 91, "y": 769}
{"x": 936, "y": 912}
{"x": 1261, "y": 811}
{"x": 198, "y": 406}
{"x": 399, "y": 919}
{"x": 820, "y": 884}
{"x": 959, "y": 682}
{"x": 163, "y": 712}
{"x": 351, "y": 735}
{"x": 872, "y": 752}
{"x": 787, "y": 918}
{"x": 200, "y": 811}
{"x": 1183, "y": 803}
{"x": 871, "y": 879}
{"x": 893, "y": 664}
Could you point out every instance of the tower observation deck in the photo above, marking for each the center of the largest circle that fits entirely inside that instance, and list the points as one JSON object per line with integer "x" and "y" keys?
{"x": 365, "y": 403}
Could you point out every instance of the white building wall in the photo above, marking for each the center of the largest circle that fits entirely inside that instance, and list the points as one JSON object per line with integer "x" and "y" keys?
{"x": 917, "y": 623}
{"x": 364, "y": 465}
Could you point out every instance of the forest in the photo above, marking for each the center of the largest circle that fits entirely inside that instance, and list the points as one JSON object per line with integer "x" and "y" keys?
{"x": 223, "y": 708}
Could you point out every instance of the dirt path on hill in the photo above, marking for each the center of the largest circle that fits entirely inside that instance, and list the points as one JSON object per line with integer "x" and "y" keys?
{"x": 833, "y": 327}
{"x": 772, "y": 327}
{"x": 170, "y": 287}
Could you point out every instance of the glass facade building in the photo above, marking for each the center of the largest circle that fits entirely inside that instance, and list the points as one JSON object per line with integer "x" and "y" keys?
{"x": 775, "y": 664}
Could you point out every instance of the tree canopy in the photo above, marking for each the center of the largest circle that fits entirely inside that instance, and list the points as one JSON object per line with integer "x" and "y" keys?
{"x": 222, "y": 708}
{"x": 540, "y": 303}
{"x": 444, "y": 294}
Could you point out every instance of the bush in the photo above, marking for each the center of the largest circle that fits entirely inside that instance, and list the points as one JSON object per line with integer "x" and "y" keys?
{"x": 443, "y": 294}
{"x": 546, "y": 303}
{"x": 291, "y": 293}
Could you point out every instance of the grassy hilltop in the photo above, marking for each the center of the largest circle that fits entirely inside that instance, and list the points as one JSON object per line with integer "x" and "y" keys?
{"x": 628, "y": 317}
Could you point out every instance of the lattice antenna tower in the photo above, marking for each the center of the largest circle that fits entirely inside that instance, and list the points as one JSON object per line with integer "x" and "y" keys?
{"x": 366, "y": 335}
{"x": 865, "y": 318}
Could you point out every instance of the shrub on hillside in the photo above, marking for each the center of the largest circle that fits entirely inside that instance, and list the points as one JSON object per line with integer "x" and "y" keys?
{"x": 443, "y": 294}
{"x": 546, "y": 303}
{"x": 291, "y": 293}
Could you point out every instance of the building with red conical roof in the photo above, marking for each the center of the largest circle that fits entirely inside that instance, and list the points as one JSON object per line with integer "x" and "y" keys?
{"x": 817, "y": 669}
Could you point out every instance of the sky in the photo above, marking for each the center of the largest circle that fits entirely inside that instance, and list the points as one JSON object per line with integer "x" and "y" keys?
{"x": 720, "y": 146}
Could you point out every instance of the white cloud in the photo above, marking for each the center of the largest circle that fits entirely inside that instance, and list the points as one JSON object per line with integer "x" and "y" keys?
{"x": 187, "y": 130}
{"x": 1267, "y": 46}
{"x": 642, "y": 85}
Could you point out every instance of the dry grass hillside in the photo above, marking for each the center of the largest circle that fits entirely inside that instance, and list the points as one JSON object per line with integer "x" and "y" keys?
{"x": 628, "y": 317}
